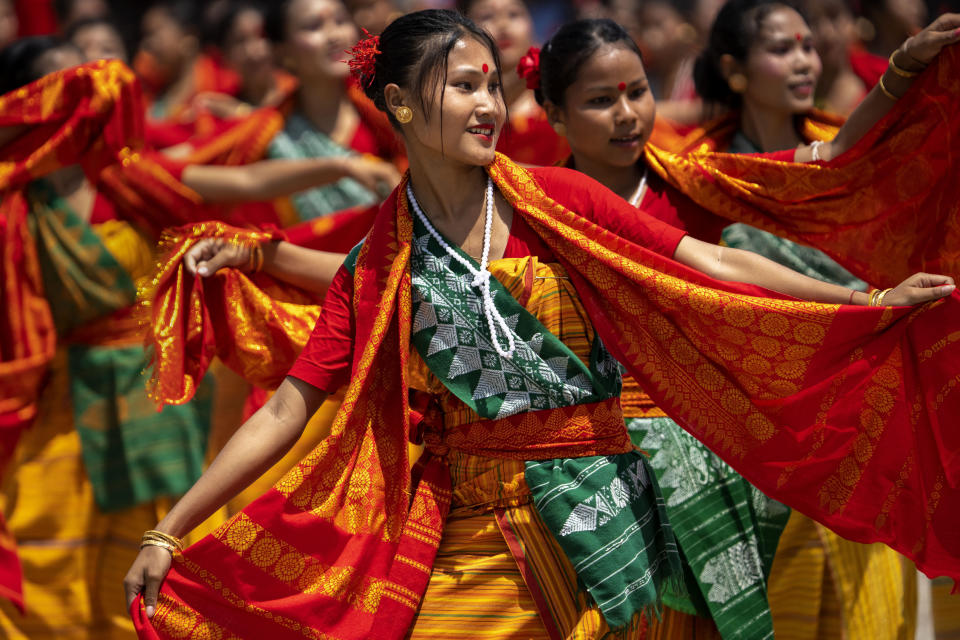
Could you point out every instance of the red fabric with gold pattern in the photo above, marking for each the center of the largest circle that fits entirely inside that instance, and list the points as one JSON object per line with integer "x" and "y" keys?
{"x": 183, "y": 311}
{"x": 90, "y": 115}
{"x": 85, "y": 114}
{"x": 843, "y": 412}
{"x": 884, "y": 210}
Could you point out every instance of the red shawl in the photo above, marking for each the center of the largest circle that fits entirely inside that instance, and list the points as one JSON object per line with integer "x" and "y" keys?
{"x": 842, "y": 412}
{"x": 884, "y": 210}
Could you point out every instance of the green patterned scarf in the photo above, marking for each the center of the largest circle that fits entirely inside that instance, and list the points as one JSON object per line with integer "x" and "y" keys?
{"x": 727, "y": 530}
{"x": 81, "y": 279}
{"x": 606, "y": 512}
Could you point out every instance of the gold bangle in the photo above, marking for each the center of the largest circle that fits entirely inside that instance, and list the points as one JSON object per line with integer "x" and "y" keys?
{"x": 881, "y": 296}
{"x": 159, "y": 543}
{"x": 872, "y": 300}
{"x": 886, "y": 92}
{"x": 255, "y": 261}
{"x": 162, "y": 542}
{"x": 153, "y": 536}
{"x": 900, "y": 71}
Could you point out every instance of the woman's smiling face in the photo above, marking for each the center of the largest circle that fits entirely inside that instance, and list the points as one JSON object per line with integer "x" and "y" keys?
{"x": 466, "y": 113}
{"x": 608, "y": 111}
{"x": 782, "y": 65}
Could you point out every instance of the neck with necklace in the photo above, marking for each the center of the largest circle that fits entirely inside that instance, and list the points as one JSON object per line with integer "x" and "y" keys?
{"x": 481, "y": 276}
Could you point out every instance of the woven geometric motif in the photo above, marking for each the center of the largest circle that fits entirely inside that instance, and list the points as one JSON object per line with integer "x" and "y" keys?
{"x": 452, "y": 335}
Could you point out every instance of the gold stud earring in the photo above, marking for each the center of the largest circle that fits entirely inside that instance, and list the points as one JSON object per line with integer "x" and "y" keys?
{"x": 560, "y": 128}
{"x": 737, "y": 83}
{"x": 403, "y": 115}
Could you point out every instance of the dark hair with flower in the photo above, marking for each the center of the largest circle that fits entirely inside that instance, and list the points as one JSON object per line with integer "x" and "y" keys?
{"x": 363, "y": 58}
{"x": 413, "y": 54}
{"x": 529, "y": 68}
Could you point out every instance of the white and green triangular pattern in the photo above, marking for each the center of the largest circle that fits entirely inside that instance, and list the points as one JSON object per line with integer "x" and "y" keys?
{"x": 450, "y": 332}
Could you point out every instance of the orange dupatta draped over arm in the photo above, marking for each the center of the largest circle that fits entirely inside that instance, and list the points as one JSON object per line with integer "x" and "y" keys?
{"x": 884, "y": 210}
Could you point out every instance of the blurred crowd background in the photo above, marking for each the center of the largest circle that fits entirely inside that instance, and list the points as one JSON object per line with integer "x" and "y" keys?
{"x": 215, "y": 49}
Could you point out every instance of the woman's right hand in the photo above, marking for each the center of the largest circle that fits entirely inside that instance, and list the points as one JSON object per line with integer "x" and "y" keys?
{"x": 210, "y": 254}
{"x": 146, "y": 575}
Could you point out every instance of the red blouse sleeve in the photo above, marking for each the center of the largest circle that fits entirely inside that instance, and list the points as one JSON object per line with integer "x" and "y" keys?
{"x": 587, "y": 197}
{"x": 326, "y": 359}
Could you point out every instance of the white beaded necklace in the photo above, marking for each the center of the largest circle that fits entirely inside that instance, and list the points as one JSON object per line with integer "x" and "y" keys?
{"x": 638, "y": 194}
{"x": 481, "y": 276}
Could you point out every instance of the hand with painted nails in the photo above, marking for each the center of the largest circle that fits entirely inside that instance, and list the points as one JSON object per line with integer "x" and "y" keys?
{"x": 925, "y": 45}
{"x": 919, "y": 288}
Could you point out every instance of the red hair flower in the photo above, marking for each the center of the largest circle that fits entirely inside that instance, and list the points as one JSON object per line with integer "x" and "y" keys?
{"x": 363, "y": 58}
{"x": 529, "y": 68}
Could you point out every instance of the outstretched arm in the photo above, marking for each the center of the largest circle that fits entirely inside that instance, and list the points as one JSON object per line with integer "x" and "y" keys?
{"x": 305, "y": 268}
{"x": 269, "y": 179}
{"x": 254, "y": 448}
{"x": 737, "y": 265}
{"x": 912, "y": 57}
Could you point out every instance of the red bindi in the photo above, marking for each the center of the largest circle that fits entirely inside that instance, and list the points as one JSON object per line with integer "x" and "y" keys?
{"x": 485, "y": 67}
{"x": 622, "y": 86}
{"x": 799, "y": 37}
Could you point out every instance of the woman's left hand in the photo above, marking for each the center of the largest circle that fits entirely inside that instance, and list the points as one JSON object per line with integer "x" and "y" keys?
{"x": 919, "y": 288}
{"x": 924, "y": 46}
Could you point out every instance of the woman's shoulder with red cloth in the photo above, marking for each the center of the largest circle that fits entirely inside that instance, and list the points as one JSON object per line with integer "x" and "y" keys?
{"x": 592, "y": 200}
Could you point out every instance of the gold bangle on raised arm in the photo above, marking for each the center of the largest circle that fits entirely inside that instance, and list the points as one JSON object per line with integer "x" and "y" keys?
{"x": 886, "y": 91}
{"x": 900, "y": 71}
